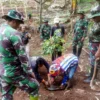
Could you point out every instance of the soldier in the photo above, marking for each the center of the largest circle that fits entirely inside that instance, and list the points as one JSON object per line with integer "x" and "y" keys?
{"x": 94, "y": 39}
{"x": 80, "y": 30}
{"x": 15, "y": 71}
{"x": 45, "y": 30}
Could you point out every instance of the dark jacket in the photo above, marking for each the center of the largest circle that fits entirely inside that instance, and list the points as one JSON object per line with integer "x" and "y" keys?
{"x": 58, "y": 31}
{"x": 34, "y": 64}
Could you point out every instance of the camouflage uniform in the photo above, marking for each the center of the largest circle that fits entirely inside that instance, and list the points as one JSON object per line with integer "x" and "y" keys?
{"x": 14, "y": 70}
{"x": 94, "y": 38}
{"x": 80, "y": 30}
{"x": 45, "y": 31}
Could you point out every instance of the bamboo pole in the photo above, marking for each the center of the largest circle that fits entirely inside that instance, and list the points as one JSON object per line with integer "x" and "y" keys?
{"x": 85, "y": 51}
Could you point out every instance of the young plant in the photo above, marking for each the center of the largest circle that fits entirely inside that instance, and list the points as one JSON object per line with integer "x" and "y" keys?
{"x": 53, "y": 44}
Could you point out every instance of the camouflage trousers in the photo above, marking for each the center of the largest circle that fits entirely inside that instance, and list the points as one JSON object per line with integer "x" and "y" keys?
{"x": 78, "y": 43}
{"x": 45, "y": 36}
{"x": 93, "y": 47}
{"x": 27, "y": 84}
{"x": 77, "y": 48}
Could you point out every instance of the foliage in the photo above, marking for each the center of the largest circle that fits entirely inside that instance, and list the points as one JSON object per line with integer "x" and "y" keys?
{"x": 85, "y": 1}
{"x": 86, "y": 5}
{"x": 90, "y": 24}
{"x": 53, "y": 44}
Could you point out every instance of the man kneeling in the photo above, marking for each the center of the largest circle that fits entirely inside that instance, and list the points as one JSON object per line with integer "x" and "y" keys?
{"x": 64, "y": 66}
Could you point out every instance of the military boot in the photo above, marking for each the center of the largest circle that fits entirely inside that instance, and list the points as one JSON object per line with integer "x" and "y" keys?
{"x": 90, "y": 77}
{"x": 74, "y": 50}
{"x": 79, "y": 52}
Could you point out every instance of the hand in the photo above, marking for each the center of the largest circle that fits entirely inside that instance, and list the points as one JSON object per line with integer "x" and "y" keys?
{"x": 62, "y": 86}
{"x": 50, "y": 79}
{"x": 97, "y": 55}
{"x": 45, "y": 82}
{"x": 82, "y": 39}
{"x": 36, "y": 82}
{"x": 33, "y": 78}
{"x": 32, "y": 75}
{"x": 29, "y": 35}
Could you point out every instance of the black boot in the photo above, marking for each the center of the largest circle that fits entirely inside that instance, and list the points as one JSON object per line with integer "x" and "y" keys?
{"x": 53, "y": 56}
{"x": 90, "y": 77}
{"x": 74, "y": 50}
{"x": 79, "y": 52}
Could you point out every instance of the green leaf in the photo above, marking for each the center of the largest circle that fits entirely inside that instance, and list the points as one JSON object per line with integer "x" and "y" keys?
{"x": 52, "y": 44}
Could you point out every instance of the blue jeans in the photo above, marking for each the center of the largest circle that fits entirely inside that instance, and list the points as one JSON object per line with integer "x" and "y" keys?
{"x": 69, "y": 74}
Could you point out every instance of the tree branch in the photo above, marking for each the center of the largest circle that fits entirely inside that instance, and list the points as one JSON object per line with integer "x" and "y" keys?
{"x": 37, "y": 1}
{"x": 44, "y": 1}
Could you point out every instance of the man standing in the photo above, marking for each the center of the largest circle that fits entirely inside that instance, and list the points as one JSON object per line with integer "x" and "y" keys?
{"x": 58, "y": 31}
{"x": 94, "y": 39}
{"x": 80, "y": 30}
{"x": 45, "y": 30}
{"x": 14, "y": 67}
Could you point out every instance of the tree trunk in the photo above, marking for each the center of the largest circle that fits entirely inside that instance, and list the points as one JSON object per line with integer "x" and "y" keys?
{"x": 40, "y": 12}
{"x": 74, "y": 6}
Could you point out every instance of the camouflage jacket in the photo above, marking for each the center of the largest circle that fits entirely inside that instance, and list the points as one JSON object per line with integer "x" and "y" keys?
{"x": 13, "y": 59}
{"x": 80, "y": 29}
{"x": 45, "y": 31}
{"x": 94, "y": 35}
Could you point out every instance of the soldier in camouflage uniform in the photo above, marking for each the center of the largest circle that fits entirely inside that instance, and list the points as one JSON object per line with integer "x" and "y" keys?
{"x": 80, "y": 30}
{"x": 15, "y": 71}
{"x": 94, "y": 39}
{"x": 45, "y": 30}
